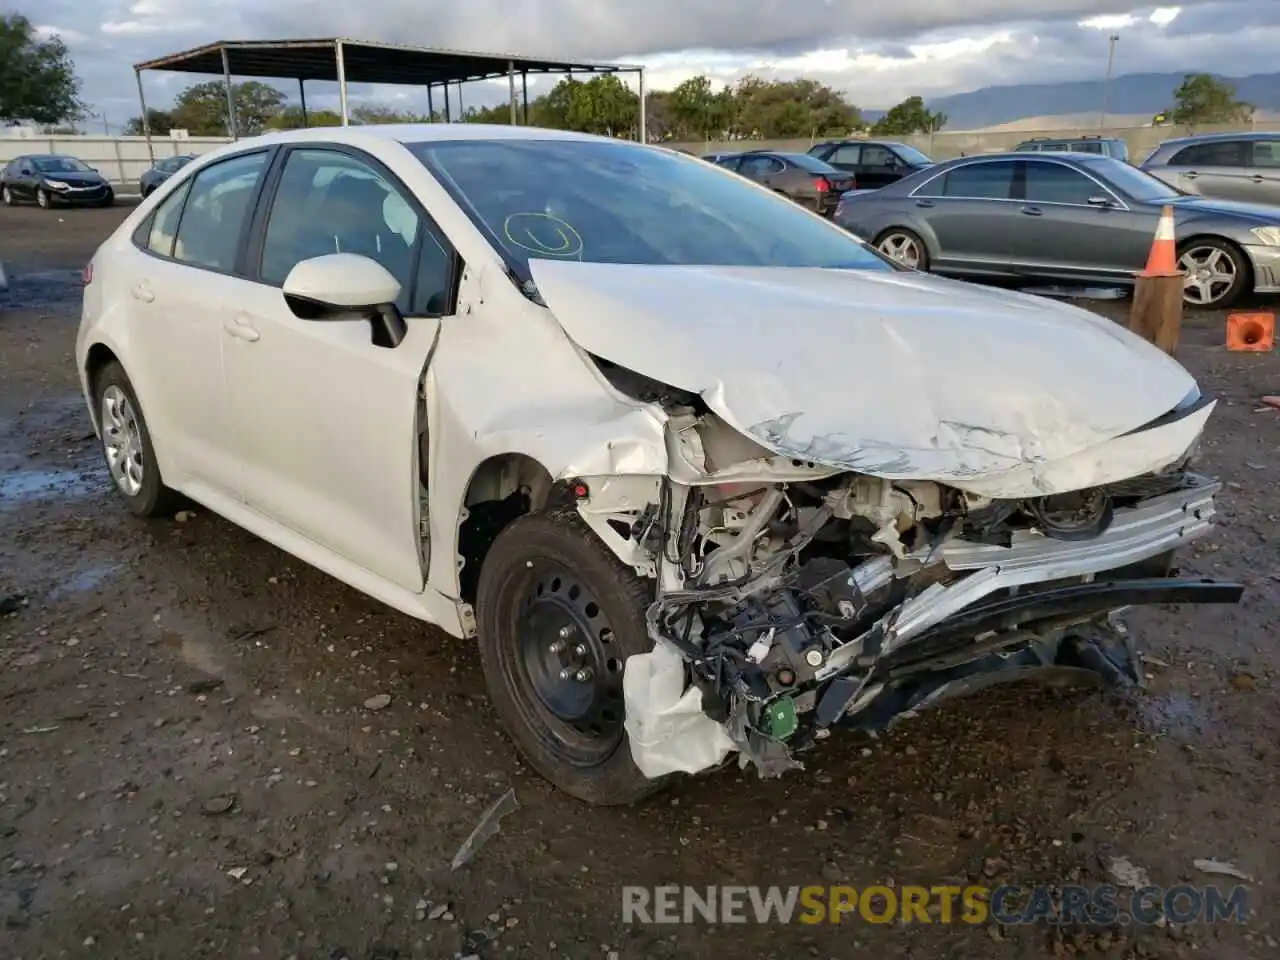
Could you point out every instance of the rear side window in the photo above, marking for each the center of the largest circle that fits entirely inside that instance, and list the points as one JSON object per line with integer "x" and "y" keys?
{"x": 847, "y": 153}
{"x": 164, "y": 222}
{"x": 1224, "y": 153}
{"x": 975, "y": 181}
{"x": 216, "y": 211}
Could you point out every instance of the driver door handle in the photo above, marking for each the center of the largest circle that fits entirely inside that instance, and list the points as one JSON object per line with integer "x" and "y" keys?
{"x": 142, "y": 291}
{"x": 1033, "y": 211}
{"x": 1257, "y": 179}
{"x": 240, "y": 328}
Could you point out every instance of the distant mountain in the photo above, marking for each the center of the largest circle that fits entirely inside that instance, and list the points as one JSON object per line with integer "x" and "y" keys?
{"x": 1143, "y": 94}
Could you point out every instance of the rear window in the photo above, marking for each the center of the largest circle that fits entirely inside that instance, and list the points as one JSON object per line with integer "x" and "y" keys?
{"x": 618, "y": 202}
{"x": 1222, "y": 153}
{"x": 808, "y": 163}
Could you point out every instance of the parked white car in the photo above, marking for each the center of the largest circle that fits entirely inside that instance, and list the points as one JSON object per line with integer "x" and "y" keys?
{"x": 703, "y": 472}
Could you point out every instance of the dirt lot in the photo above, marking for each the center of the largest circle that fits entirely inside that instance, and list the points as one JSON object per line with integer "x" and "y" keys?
{"x": 187, "y": 768}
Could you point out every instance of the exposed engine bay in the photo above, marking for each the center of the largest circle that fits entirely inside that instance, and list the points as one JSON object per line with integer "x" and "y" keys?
{"x": 792, "y": 598}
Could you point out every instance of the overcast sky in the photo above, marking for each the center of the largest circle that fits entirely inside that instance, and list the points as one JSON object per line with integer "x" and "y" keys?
{"x": 878, "y": 51}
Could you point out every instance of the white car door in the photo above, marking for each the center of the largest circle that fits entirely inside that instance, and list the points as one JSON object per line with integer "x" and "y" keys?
{"x": 181, "y": 287}
{"x": 326, "y": 421}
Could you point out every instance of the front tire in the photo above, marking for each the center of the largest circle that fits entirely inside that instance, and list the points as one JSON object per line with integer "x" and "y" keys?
{"x": 6, "y": 195}
{"x": 109, "y": 200}
{"x": 1218, "y": 273}
{"x": 557, "y": 616}
{"x": 127, "y": 447}
{"x": 44, "y": 198}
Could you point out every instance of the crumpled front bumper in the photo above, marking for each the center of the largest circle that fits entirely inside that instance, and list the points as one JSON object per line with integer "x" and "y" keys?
{"x": 1037, "y": 606}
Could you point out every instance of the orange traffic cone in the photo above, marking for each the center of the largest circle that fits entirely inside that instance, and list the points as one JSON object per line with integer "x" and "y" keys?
{"x": 1163, "y": 259}
{"x": 1253, "y": 332}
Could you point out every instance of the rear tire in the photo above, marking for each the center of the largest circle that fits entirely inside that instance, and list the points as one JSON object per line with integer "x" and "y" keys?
{"x": 904, "y": 246}
{"x": 548, "y": 582}
{"x": 127, "y": 448}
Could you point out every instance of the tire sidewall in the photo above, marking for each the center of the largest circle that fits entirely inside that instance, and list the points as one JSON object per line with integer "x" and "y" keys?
{"x": 43, "y": 199}
{"x": 152, "y": 497}
{"x": 1243, "y": 273}
{"x": 561, "y": 538}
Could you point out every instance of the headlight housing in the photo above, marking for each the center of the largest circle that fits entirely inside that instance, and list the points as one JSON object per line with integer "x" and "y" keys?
{"x": 57, "y": 185}
{"x": 1267, "y": 235}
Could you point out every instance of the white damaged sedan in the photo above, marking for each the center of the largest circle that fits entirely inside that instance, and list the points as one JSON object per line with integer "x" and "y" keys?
{"x": 704, "y": 474}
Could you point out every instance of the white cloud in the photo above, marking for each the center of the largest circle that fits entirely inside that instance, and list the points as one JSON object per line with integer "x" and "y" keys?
{"x": 878, "y": 52}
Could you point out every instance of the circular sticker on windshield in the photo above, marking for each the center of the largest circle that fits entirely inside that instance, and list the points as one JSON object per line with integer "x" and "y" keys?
{"x": 544, "y": 234}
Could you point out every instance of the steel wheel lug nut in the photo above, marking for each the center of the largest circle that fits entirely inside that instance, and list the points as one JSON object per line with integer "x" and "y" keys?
{"x": 557, "y": 646}
{"x": 566, "y": 673}
{"x": 583, "y": 675}
{"x": 580, "y": 649}
{"x": 566, "y": 632}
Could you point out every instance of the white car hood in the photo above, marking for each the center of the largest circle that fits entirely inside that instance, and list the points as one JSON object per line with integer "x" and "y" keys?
{"x": 893, "y": 374}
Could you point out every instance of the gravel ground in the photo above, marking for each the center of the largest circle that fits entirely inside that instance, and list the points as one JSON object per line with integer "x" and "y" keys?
{"x": 187, "y": 767}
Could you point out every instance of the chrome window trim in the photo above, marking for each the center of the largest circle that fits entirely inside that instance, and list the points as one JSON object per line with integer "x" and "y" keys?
{"x": 914, "y": 194}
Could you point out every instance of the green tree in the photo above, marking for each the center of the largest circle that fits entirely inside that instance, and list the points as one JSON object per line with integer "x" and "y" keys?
{"x": 381, "y": 113}
{"x": 697, "y": 111}
{"x": 37, "y": 78}
{"x": 160, "y": 122}
{"x": 908, "y": 117}
{"x": 603, "y": 105}
{"x": 201, "y": 109}
{"x": 290, "y": 118}
{"x": 1203, "y": 98}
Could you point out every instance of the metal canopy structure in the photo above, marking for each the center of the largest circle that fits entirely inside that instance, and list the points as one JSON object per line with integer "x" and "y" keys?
{"x": 342, "y": 61}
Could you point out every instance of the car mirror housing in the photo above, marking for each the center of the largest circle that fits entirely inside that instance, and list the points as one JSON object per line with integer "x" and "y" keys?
{"x": 347, "y": 286}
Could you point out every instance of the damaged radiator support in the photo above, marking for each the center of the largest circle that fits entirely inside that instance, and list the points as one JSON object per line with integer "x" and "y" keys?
{"x": 804, "y": 640}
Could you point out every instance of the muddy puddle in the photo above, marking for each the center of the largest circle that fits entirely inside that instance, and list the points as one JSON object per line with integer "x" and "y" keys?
{"x": 26, "y": 486}
{"x": 39, "y": 289}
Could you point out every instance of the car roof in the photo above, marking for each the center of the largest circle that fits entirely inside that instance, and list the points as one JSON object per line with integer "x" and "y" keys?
{"x": 422, "y": 133}
{"x": 1219, "y": 137}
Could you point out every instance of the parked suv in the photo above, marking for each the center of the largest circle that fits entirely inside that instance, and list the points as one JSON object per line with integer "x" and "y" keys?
{"x": 1224, "y": 166}
{"x": 873, "y": 163}
{"x": 1105, "y": 146}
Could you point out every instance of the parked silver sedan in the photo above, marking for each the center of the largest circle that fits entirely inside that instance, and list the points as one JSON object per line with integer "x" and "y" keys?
{"x": 1064, "y": 217}
{"x": 1224, "y": 166}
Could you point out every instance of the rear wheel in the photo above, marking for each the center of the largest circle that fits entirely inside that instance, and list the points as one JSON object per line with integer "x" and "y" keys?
{"x": 905, "y": 246}
{"x": 127, "y": 447}
{"x": 557, "y": 616}
{"x": 1217, "y": 273}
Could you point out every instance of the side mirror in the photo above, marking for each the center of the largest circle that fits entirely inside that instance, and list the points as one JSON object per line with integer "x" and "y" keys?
{"x": 347, "y": 286}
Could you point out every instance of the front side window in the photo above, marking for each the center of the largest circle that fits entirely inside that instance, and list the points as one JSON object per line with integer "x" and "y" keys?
{"x": 874, "y": 155}
{"x": 1057, "y": 183}
{"x": 1266, "y": 153}
{"x": 620, "y": 202}
{"x": 217, "y": 208}
{"x": 331, "y": 202}
{"x": 988, "y": 180}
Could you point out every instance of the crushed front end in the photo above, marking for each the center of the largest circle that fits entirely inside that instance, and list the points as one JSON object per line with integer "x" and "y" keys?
{"x": 793, "y": 598}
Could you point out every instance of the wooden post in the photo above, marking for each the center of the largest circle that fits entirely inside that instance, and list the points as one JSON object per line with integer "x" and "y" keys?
{"x": 1157, "y": 311}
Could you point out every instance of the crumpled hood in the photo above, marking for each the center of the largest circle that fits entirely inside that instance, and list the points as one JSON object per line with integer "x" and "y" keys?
{"x": 895, "y": 374}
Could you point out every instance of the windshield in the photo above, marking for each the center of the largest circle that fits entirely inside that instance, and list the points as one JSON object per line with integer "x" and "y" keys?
{"x": 61, "y": 165}
{"x": 1137, "y": 184}
{"x": 619, "y": 202}
{"x": 911, "y": 154}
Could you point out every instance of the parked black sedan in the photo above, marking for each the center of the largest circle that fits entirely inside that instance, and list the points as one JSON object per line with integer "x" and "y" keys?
{"x": 51, "y": 178}
{"x": 1065, "y": 217}
{"x": 873, "y": 163}
{"x": 162, "y": 171}
{"x": 805, "y": 179}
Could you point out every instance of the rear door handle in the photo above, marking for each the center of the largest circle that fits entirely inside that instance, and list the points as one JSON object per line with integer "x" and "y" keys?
{"x": 142, "y": 291}
{"x": 240, "y": 328}
{"x": 924, "y": 203}
{"x": 1033, "y": 211}
{"x": 1257, "y": 179}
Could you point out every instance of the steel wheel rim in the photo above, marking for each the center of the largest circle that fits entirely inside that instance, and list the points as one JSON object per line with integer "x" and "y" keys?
{"x": 566, "y": 656}
{"x": 122, "y": 441}
{"x": 900, "y": 247}
{"x": 1211, "y": 273}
